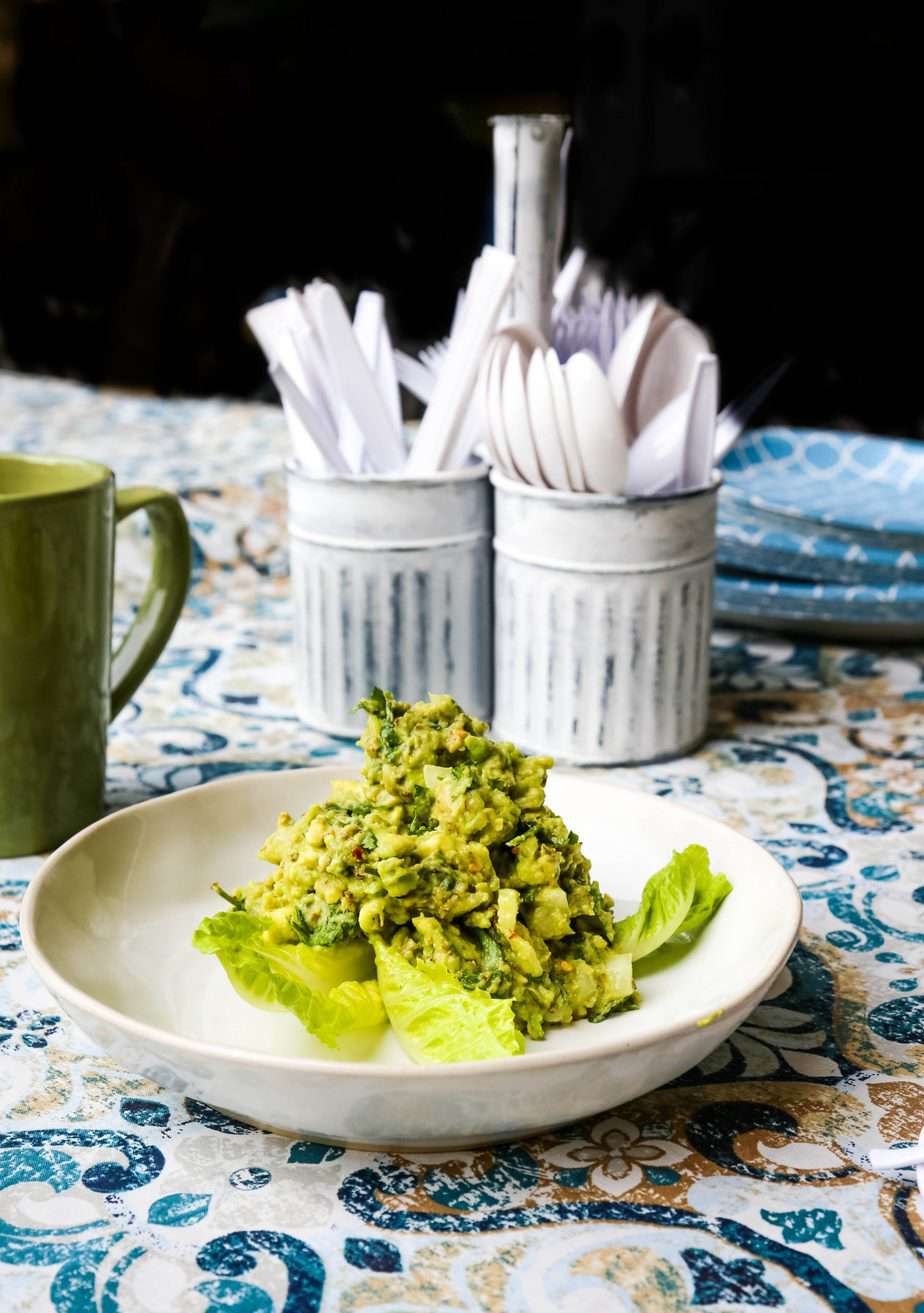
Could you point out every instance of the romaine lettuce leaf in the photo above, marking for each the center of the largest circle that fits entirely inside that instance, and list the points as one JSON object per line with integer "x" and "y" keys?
{"x": 666, "y": 901}
{"x": 710, "y": 891}
{"x": 436, "y": 1019}
{"x": 328, "y": 989}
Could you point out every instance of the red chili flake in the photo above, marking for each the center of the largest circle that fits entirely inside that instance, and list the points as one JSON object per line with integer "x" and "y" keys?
{"x": 359, "y": 853}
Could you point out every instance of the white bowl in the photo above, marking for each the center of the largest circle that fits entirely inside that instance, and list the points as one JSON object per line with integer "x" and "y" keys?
{"x": 107, "y": 925}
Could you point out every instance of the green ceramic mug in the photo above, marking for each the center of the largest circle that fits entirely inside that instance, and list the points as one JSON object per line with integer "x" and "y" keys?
{"x": 60, "y": 684}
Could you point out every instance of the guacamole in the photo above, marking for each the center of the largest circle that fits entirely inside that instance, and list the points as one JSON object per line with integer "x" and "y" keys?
{"x": 440, "y": 893}
{"x": 446, "y": 852}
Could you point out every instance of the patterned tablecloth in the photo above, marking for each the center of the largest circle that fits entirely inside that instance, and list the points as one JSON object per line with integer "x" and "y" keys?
{"x": 743, "y": 1184}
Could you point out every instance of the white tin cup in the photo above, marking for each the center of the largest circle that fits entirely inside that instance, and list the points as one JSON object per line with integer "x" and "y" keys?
{"x": 603, "y": 612}
{"x": 391, "y": 582}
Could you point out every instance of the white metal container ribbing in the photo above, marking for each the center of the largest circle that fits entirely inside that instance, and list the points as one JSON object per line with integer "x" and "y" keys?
{"x": 392, "y": 586}
{"x": 603, "y": 612}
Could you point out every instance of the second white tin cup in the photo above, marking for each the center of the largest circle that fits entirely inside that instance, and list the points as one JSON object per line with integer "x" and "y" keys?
{"x": 603, "y": 612}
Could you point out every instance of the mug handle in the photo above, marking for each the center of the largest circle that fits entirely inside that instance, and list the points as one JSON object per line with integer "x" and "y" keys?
{"x": 165, "y": 594}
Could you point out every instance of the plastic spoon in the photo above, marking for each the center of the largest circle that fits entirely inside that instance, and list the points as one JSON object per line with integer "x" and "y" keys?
{"x": 544, "y": 424}
{"x": 516, "y": 418}
{"x": 490, "y": 385}
{"x": 621, "y": 369}
{"x": 493, "y": 373}
{"x": 523, "y": 335}
{"x": 480, "y": 400}
{"x": 699, "y": 448}
{"x": 674, "y": 452}
{"x": 656, "y": 457}
{"x": 599, "y": 425}
{"x": 665, "y": 369}
{"x": 565, "y": 423}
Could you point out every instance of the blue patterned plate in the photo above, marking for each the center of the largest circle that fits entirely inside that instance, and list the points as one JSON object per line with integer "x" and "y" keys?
{"x": 769, "y": 543}
{"x": 853, "y": 610}
{"x": 846, "y": 479}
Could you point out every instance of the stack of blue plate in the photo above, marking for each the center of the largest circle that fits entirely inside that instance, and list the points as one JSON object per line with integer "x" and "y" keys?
{"x": 823, "y": 531}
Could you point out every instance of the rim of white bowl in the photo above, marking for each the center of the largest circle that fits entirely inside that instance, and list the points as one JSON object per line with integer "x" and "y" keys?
{"x": 61, "y": 987}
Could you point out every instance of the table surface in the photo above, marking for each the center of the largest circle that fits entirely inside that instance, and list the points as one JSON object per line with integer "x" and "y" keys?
{"x": 744, "y": 1184}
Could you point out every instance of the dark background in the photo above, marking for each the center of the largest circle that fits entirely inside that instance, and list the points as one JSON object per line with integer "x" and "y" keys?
{"x": 164, "y": 164}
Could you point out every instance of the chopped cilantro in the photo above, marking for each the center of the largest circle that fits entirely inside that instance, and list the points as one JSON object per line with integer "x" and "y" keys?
{"x": 603, "y": 912}
{"x": 391, "y": 741}
{"x": 333, "y": 925}
{"x": 377, "y": 704}
{"x": 349, "y": 807}
{"x": 628, "y": 1004}
{"x": 461, "y": 773}
{"x": 543, "y": 836}
{"x": 521, "y": 838}
{"x": 491, "y": 955}
{"x": 419, "y": 812}
{"x": 369, "y": 841}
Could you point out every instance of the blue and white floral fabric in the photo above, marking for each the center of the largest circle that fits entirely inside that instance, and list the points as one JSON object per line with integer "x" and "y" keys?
{"x": 744, "y": 1184}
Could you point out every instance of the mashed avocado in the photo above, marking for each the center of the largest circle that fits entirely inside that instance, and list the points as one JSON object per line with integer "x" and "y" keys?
{"x": 446, "y": 851}
{"x": 441, "y": 894}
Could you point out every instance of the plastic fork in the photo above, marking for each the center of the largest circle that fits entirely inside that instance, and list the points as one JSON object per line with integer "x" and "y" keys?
{"x": 434, "y": 356}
